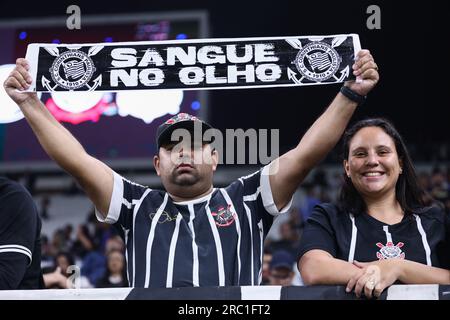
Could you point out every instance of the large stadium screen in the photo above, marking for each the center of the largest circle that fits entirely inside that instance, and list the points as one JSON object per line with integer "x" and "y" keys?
{"x": 112, "y": 126}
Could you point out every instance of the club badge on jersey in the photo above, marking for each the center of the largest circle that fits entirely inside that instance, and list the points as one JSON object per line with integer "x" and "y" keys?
{"x": 223, "y": 216}
{"x": 390, "y": 251}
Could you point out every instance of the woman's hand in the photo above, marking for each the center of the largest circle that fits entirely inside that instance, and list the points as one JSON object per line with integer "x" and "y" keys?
{"x": 374, "y": 277}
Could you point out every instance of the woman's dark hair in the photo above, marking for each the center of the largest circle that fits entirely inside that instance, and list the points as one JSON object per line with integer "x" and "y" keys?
{"x": 408, "y": 192}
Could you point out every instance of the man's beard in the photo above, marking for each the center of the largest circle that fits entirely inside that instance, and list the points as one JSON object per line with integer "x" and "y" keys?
{"x": 185, "y": 179}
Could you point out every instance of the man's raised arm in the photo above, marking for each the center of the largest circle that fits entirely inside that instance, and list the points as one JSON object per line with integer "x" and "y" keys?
{"x": 94, "y": 176}
{"x": 323, "y": 135}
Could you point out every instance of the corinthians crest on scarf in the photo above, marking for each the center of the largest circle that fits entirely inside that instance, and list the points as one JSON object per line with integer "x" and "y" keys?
{"x": 193, "y": 64}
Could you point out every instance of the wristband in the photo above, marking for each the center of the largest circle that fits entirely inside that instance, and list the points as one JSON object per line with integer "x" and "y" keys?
{"x": 352, "y": 95}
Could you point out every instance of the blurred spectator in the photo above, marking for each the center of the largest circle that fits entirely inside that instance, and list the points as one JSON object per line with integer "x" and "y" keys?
{"x": 289, "y": 237}
{"x": 64, "y": 260}
{"x": 281, "y": 268}
{"x": 87, "y": 237}
{"x": 115, "y": 274}
{"x": 311, "y": 199}
{"x": 447, "y": 205}
{"x": 297, "y": 221}
{"x": 45, "y": 203}
{"x": 57, "y": 279}
{"x": 424, "y": 180}
{"x": 267, "y": 258}
{"x": 320, "y": 178}
{"x": 324, "y": 195}
{"x": 67, "y": 233}
{"x": 94, "y": 264}
{"x": 101, "y": 232}
{"x": 92, "y": 236}
{"x": 60, "y": 242}
{"x": 439, "y": 185}
{"x": 447, "y": 201}
{"x": 47, "y": 256}
{"x": 83, "y": 243}
{"x": 335, "y": 183}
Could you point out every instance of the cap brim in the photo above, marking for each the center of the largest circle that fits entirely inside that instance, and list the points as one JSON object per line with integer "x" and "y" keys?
{"x": 165, "y": 137}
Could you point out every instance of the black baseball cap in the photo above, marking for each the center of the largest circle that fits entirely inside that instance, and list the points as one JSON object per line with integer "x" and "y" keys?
{"x": 179, "y": 121}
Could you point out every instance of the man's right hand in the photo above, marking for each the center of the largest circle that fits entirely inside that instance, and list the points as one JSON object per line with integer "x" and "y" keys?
{"x": 92, "y": 175}
{"x": 20, "y": 79}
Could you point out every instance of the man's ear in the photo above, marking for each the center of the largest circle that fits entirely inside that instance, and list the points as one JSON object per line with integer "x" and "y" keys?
{"x": 156, "y": 164}
{"x": 215, "y": 158}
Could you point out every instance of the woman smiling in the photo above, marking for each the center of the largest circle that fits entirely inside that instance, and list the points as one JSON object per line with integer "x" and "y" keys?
{"x": 380, "y": 231}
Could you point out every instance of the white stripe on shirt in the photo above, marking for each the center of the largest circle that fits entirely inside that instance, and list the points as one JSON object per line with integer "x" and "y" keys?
{"x": 195, "y": 275}
{"x": 135, "y": 211}
{"x": 351, "y": 253}
{"x": 16, "y": 248}
{"x": 254, "y": 196}
{"x": 125, "y": 235}
{"x": 251, "y": 197}
{"x": 388, "y": 234}
{"x": 151, "y": 236}
{"x": 238, "y": 228}
{"x": 115, "y": 203}
{"x": 250, "y": 223}
{"x": 261, "y": 240}
{"x": 426, "y": 246}
{"x": 267, "y": 196}
{"x": 173, "y": 244}
{"x": 247, "y": 176}
{"x": 218, "y": 243}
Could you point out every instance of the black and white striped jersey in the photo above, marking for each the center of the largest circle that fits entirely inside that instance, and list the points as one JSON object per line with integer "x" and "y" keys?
{"x": 216, "y": 240}
{"x": 422, "y": 237}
